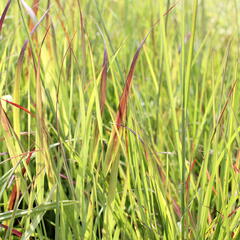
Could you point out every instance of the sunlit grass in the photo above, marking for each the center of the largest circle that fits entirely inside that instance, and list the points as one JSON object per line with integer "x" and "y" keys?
{"x": 119, "y": 119}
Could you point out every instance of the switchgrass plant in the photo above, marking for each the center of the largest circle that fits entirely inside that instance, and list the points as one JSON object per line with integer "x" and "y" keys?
{"x": 119, "y": 119}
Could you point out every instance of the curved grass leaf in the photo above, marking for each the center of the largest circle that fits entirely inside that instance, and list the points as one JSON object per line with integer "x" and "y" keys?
{"x": 30, "y": 12}
{"x": 4, "y": 14}
{"x": 18, "y": 106}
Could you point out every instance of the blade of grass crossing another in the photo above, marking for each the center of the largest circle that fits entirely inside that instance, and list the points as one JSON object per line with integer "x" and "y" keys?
{"x": 16, "y": 90}
{"x": 112, "y": 156}
{"x": 185, "y": 93}
{"x": 43, "y": 160}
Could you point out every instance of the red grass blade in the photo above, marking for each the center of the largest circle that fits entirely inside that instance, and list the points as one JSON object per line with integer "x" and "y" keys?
{"x": 224, "y": 109}
{"x": 17, "y": 105}
{"x": 12, "y": 198}
{"x": 4, "y": 121}
{"x": 13, "y": 194}
{"x": 189, "y": 174}
{"x": 165, "y": 14}
{"x": 171, "y": 8}
{"x": 236, "y": 165}
{"x": 122, "y": 107}
{"x": 35, "y": 6}
{"x": 176, "y": 208}
{"x": 104, "y": 81}
{"x": 14, "y": 231}
{"x": 20, "y": 59}
{"x": 124, "y": 98}
{"x": 4, "y": 14}
{"x": 234, "y": 211}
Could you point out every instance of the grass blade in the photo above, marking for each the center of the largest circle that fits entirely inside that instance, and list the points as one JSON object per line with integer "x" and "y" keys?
{"x": 4, "y": 14}
{"x": 103, "y": 86}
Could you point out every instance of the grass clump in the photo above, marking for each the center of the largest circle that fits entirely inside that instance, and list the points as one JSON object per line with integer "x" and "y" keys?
{"x": 119, "y": 120}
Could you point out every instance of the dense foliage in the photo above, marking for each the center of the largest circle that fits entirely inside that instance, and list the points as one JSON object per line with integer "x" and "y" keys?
{"x": 119, "y": 119}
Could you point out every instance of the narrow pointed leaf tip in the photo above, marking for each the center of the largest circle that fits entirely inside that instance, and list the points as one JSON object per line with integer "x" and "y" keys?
{"x": 4, "y": 14}
{"x": 104, "y": 81}
{"x": 18, "y": 106}
{"x": 29, "y": 11}
{"x": 124, "y": 98}
{"x": 20, "y": 58}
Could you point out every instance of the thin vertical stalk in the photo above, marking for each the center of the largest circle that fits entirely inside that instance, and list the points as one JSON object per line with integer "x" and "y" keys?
{"x": 183, "y": 121}
{"x": 185, "y": 92}
{"x": 83, "y": 42}
{"x": 109, "y": 40}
